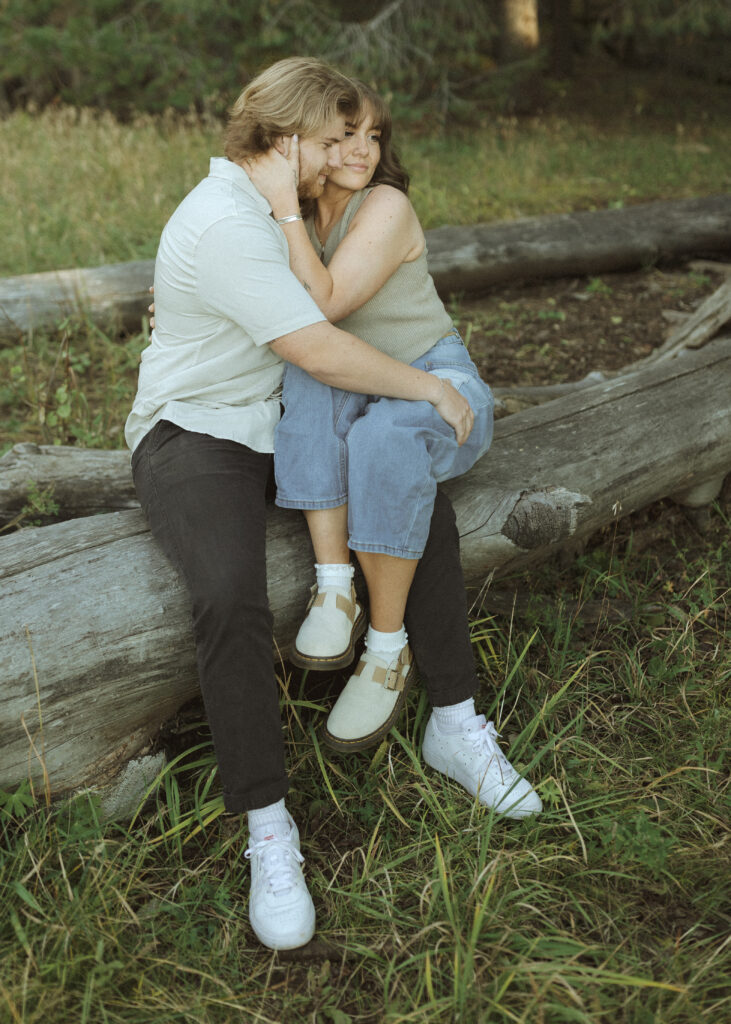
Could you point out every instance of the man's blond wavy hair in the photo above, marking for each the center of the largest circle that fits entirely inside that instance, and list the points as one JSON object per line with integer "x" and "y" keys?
{"x": 298, "y": 95}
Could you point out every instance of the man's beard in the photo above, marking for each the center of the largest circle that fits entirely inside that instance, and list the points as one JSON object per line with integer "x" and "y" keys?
{"x": 310, "y": 188}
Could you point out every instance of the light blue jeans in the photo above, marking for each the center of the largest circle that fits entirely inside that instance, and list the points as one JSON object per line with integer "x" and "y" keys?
{"x": 383, "y": 456}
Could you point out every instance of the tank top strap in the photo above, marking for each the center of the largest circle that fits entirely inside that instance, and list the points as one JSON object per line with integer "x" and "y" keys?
{"x": 340, "y": 229}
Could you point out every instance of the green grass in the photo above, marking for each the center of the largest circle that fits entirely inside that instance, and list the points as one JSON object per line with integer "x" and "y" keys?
{"x": 72, "y": 387}
{"x": 610, "y": 907}
{"x": 83, "y": 190}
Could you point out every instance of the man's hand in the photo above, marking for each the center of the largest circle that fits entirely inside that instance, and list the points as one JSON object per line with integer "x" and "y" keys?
{"x": 276, "y": 175}
{"x": 455, "y": 410}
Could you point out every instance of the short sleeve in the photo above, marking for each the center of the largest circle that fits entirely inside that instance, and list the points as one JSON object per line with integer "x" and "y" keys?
{"x": 242, "y": 274}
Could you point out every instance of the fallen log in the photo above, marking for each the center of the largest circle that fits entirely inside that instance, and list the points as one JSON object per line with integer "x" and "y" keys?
{"x": 95, "y": 647}
{"x": 475, "y": 258}
{"x": 79, "y": 481}
{"x": 698, "y": 327}
{"x": 114, "y": 297}
{"x": 85, "y": 482}
{"x": 461, "y": 259}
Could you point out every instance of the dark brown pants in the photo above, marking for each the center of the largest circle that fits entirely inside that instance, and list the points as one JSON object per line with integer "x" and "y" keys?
{"x": 204, "y": 499}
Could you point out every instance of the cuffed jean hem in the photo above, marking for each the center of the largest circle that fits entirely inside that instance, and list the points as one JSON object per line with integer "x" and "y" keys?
{"x": 385, "y": 549}
{"x": 311, "y": 506}
{"x": 253, "y": 799}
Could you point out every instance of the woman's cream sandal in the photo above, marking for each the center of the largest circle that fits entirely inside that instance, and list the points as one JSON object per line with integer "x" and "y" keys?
{"x": 371, "y": 702}
{"x": 326, "y": 639}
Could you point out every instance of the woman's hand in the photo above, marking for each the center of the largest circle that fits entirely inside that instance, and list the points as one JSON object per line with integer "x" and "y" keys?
{"x": 276, "y": 175}
{"x": 455, "y": 410}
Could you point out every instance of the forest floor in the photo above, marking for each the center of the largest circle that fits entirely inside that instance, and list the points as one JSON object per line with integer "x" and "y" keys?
{"x": 554, "y": 331}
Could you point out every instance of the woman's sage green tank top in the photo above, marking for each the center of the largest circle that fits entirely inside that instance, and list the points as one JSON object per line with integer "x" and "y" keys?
{"x": 406, "y": 317}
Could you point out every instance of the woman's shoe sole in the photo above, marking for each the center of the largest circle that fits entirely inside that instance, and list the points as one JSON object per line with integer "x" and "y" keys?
{"x": 363, "y": 742}
{"x": 336, "y": 661}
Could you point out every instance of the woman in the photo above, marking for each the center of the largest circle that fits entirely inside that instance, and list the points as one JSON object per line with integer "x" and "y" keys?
{"x": 364, "y": 469}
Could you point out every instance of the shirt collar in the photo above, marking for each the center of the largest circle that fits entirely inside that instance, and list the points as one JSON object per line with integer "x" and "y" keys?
{"x": 221, "y": 167}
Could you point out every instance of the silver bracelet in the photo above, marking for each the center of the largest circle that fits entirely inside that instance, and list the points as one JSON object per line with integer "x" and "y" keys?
{"x": 290, "y": 219}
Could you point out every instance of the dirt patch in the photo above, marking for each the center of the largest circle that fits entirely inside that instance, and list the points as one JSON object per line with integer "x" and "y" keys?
{"x": 560, "y": 330}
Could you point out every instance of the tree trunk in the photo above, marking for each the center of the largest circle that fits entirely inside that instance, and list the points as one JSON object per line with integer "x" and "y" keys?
{"x": 94, "y": 624}
{"x": 562, "y": 56}
{"x": 519, "y": 36}
{"x": 461, "y": 259}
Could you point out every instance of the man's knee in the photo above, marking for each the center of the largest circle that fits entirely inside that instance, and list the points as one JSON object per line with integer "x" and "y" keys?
{"x": 235, "y": 598}
{"x": 443, "y": 520}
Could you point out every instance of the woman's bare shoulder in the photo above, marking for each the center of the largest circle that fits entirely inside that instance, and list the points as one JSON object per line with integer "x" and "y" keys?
{"x": 384, "y": 202}
{"x": 387, "y": 194}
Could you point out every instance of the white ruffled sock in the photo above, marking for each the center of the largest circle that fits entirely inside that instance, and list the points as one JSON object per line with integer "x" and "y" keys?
{"x": 337, "y": 574}
{"x": 385, "y": 645}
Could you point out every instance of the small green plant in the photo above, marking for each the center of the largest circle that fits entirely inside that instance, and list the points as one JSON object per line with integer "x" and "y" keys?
{"x": 638, "y": 839}
{"x": 40, "y": 503}
{"x": 15, "y": 805}
{"x": 597, "y": 287}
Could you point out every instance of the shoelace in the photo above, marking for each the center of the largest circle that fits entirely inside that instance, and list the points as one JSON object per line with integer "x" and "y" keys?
{"x": 484, "y": 741}
{"x": 277, "y": 859}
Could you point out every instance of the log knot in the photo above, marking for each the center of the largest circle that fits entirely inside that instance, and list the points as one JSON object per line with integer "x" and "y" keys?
{"x": 17, "y": 452}
{"x": 543, "y": 517}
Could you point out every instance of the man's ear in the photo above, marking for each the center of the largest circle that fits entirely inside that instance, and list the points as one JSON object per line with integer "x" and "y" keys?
{"x": 282, "y": 144}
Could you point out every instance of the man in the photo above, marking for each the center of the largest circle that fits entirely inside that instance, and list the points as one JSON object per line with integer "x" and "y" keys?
{"x": 228, "y": 311}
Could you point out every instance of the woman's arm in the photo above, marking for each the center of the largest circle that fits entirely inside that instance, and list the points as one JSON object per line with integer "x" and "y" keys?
{"x": 385, "y": 233}
{"x": 341, "y": 360}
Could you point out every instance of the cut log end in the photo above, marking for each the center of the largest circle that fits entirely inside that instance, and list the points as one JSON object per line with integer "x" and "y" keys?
{"x": 544, "y": 517}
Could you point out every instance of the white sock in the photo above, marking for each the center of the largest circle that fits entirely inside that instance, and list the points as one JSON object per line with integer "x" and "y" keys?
{"x": 452, "y": 717}
{"x": 337, "y": 574}
{"x": 385, "y": 645}
{"x": 266, "y": 821}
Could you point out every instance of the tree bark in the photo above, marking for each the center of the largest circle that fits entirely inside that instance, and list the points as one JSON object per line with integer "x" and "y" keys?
{"x": 473, "y": 259}
{"x": 95, "y": 646}
{"x": 461, "y": 259}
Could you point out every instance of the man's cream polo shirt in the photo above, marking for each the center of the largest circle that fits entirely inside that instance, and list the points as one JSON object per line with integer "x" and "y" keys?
{"x": 223, "y": 290}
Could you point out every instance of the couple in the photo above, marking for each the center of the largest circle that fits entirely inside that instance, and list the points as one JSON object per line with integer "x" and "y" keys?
{"x": 372, "y": 421}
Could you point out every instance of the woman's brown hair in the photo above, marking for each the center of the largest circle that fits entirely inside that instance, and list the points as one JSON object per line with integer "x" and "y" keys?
{"x": 390, "y": 170}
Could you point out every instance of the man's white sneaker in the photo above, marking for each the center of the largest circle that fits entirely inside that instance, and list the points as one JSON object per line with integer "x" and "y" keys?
{"x": 327, "y": 637}
{"x": 371, "y": 702}
{"x": 281, "y": 910}
{"x": 473, "y": 758}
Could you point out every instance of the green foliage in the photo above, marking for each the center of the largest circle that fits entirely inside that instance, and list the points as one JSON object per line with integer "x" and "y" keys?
{"x": 690, "y": 35}
{"x": 72, "y": 387}
{"x": 124, "y": 57}
{"x": 178, "y": 54}
{"x": 434, "y": 59}
{"x": 16, "y": 804}
{"x": 40, "y": 503}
